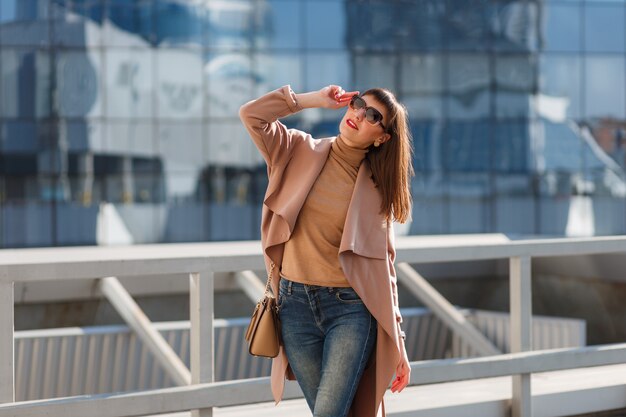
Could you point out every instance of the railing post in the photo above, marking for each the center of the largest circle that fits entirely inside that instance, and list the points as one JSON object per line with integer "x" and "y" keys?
{"x": 521, "y": 330}
{"x": 201, "y": 337}
{"x": 7, "y": 356}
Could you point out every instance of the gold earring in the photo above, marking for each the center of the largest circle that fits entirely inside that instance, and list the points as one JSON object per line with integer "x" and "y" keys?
{"x": 377, "y": 144}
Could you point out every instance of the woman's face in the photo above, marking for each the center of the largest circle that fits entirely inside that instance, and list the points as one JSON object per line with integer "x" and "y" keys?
{"x": 357, "y": 132}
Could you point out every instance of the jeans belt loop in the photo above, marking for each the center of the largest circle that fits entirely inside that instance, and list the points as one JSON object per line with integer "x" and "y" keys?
{"x": 289, "y": 287}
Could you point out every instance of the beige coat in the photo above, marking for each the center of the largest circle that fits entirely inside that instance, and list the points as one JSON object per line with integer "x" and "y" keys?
{"x": 366, "y": 254}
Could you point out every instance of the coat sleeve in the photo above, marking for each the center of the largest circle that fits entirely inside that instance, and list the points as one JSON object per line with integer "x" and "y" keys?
{"x": 260, "y": 117}
{"x": 391, "y": 249}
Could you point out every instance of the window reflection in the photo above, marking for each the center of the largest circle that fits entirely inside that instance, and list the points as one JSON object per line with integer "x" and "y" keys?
{"x": 604, "y": 78}
{"x": 24, "y": 22}
{"x": 515, "y": 25}
{"x": 419, "y": 25}
{"x": 560, "y": 82}
{"x": 233, "y": 23}
{"x": 604, "y": 28}
{"x": 78, "y": 83}
{"x": 511, "y": 147}
{"x": 467, "y": 195}
{"x": 375, "y": 71}
{"x": 77, "y": 24}
{"x": 562, "y": 29}
{"x": 334, "y": 17}
{"x": 281, "y": 26}
{"x": 180, "y": 23}
{"x": 515, "y": 195}
{"x": 467, "y": 26}
{"x": 25, "y": 83}
{"x": 326, "y": 68}
{"x": 179, "y": 85}
{"x": 379, "y": 19}
{"x": 129, "y": 23}
{"x": 181, "y": 145}
{"x": 467, "y": 146}
{"x": 277, "y": 70}
{"x": 231, "y": 80}
{"x": 129, "y": 83}
{"x": 422, "y": 73}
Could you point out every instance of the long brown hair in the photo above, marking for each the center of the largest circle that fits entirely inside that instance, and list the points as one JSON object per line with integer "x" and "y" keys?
{"x": 392, "y": 161}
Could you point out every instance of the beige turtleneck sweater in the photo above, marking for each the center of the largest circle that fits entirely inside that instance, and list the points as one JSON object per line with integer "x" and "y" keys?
{"x": 312, "y": 253}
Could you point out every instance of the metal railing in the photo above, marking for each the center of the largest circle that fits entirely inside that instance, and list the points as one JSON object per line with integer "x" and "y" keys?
{"x": 202, "y": 261}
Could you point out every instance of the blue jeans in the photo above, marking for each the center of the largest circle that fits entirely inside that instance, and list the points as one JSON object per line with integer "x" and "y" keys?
{"x": 328, "y": 335}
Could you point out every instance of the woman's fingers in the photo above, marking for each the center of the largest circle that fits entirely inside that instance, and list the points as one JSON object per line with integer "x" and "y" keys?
{"x": 399, "y": 383}
{"x": 347, "y": 96}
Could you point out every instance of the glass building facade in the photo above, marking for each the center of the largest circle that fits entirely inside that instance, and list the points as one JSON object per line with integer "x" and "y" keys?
{"x": 119, "y": 118}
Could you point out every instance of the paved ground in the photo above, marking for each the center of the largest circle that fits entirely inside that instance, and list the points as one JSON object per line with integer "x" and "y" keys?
{"x": 569, "y": 392}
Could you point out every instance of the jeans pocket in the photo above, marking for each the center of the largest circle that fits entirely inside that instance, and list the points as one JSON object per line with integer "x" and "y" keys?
{"x": 348, "y": 296}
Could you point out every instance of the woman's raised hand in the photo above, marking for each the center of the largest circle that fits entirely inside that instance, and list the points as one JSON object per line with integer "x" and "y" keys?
{"x": 335, "y": 97}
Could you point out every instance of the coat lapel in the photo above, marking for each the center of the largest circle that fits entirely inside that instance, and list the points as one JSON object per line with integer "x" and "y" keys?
{"x": 289, "y": 187}
{"x": 365, "y": 229}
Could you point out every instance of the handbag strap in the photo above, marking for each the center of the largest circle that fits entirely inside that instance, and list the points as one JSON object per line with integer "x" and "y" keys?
{"x": 269, "y": 279}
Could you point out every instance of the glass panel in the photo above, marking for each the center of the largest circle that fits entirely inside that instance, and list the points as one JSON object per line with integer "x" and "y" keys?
{"x": 231, "y": 81}
{"x": 78, "y": 83}
{"x": 424, "y": 106}
{"x": 185, "y": 221}
{"x": 467, "y": 25}
{"x": 333, "y": 15}
{"x": 375, "y": 71}
{"x": 129, "y": 24}
{"x": 131, "y": 137}
{"x": 605, "y": 86}
{"x": 25, "y": 83}
{"x": 511, "y": 147}
{"x": 181, "y": 147}
{"x": 515, "y": 25}
{"x": 78, "y": 24}
{"x": 180, "y": 23}
{"x": 516, "y": 79}
{"x": 328, "y": 68}
{"x": 233, "y": 23}
{"x": 129, "y": 83}
{"x": 281, "y": 26}
{"x": 560, "y": 86}
{"x": 84, "y": 135}
{"x": 604, "y": 28}
{"x": 277, "y": 70}
{"x": 229, "y": 144}
{"x": 179, "y": 85}
{"x": 469, "y": 85}
{"x": 430, "y": 205}
{"x": 426, "y": 144}
{"x": 422, "y": 73}
{"x": 24, "y": 22}
{"x": 467, "y": 146}
{"x": 515, "y": 204}
{"x": 419, "y": 25}
{"x": 20, "y": 137}
{"x": 26, "y": 224}
{"x": 562, "y": 30}
{"x": 468, "y": 203}
{"x": 371, "y": 27}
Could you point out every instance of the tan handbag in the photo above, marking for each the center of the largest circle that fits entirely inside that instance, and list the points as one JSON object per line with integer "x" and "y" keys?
{"x": 263, "y": 334}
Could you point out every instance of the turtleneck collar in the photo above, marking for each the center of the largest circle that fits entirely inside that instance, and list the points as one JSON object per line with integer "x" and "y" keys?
{"x": 351, "y": 155}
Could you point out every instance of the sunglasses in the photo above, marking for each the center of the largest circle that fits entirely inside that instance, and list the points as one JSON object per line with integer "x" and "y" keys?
{"x": 372, "y": 115}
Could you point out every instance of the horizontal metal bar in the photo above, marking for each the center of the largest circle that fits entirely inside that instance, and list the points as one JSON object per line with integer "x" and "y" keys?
{"x": 222, "y": 394}
{"x": 409, "y": 249}
{"x": 448, "y": 370}
{"x": 70, "y": 263}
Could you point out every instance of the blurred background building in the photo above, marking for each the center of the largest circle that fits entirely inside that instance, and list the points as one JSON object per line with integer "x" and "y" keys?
{"x": 119, "y": 124}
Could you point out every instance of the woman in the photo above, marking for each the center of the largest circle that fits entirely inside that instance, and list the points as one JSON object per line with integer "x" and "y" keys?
{"x": 327, "y": 238}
